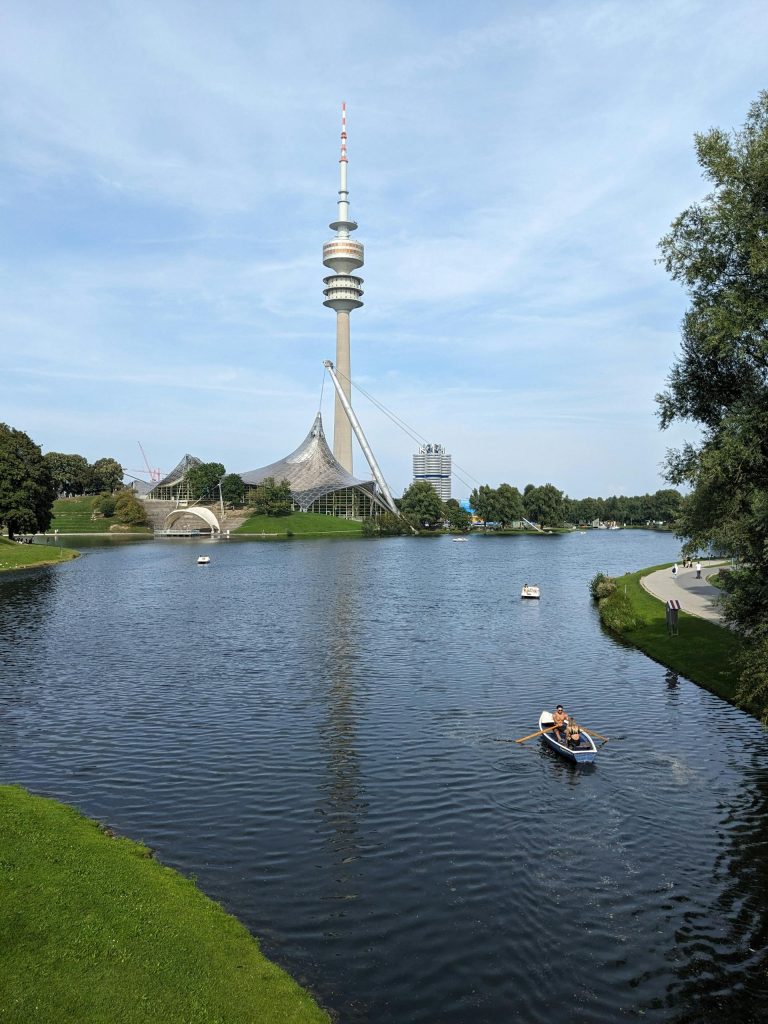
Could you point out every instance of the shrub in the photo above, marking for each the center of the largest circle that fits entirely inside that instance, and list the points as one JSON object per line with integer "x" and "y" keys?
{"x": 601, "y": 586}
{"x": 616, "y": 611}
{"x": 103, "y": 504}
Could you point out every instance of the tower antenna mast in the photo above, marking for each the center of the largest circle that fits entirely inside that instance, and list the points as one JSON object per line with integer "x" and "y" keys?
{"x": 343, "y": 293}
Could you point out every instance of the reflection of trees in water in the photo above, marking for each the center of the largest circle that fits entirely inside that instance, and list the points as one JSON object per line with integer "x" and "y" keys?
{"x": 722, "y": 954}
{"x": 343, "y": 806}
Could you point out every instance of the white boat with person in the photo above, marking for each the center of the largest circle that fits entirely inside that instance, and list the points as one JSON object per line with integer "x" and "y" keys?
{"x": 203, "y": 559}
{"x": 531, "y": 591}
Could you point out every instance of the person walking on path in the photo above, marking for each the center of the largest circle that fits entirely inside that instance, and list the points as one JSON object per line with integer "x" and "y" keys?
{"x": 674, "y": 571}
{"x": 698, "y": 570}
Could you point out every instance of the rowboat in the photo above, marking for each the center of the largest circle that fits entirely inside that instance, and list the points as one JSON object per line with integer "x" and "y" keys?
{"x": 585, "y": 753}
{"x": 530, "y": 591}
{"x": 203, "y": 559}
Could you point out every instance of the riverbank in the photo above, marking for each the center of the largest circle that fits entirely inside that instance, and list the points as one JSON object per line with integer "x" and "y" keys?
{"x": 702, "y": 651}
{"x": 93, "y": 928}
{"x": 30, "y": 556}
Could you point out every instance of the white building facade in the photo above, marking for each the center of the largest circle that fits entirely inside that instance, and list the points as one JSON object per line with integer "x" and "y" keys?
{"x": 433, "y": 464}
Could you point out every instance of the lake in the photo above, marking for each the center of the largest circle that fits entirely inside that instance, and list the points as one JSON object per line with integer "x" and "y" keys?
{"x": 319, "y": 732}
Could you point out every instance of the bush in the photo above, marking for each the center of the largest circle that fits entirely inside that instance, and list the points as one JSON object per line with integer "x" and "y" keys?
{"x": 601, "y": 586}
{"x": 616, "y": 611}
{"x": 103, "y": 505}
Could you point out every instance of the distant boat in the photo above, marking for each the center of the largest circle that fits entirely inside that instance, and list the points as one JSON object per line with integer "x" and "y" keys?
{"x": 460, "y": 540}
{"x": 203, "y": 559}
{"x": 530, "y": 591}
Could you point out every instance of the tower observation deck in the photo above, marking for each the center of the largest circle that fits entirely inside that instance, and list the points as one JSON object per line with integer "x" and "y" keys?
{"x": 343, "y": 293}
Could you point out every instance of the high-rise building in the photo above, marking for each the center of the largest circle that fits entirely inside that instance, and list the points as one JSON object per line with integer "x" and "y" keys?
{"x": 342, "y": 293}
{"x": 432, "y": 464}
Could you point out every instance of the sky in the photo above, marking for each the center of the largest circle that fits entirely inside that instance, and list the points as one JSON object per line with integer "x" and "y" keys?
{"x": 169, "y": 169}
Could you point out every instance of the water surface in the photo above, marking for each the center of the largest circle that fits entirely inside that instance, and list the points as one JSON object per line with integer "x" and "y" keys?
{"x": 320, "y": 732}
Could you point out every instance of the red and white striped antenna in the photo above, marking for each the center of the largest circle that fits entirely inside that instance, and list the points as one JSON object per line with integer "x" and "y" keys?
{"x": 343, "y": 133}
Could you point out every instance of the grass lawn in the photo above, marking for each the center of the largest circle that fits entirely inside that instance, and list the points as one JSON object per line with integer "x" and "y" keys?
{"x": 73, "y": 515}
{"x": 300, "y": 524}
{"x": 93, "y": 929}
{"x": 22, "y": 556}
{"x": 703, "y": 651}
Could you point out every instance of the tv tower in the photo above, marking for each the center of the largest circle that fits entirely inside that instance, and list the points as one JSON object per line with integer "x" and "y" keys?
{"x": 342, "y": 293}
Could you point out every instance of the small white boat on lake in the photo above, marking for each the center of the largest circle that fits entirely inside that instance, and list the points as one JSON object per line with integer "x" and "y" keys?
{"x": 530, "y": 591}
{"x": 203, "y": 559}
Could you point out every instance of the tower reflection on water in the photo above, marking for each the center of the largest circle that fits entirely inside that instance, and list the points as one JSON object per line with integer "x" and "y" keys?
{"x": 343, "y": 806}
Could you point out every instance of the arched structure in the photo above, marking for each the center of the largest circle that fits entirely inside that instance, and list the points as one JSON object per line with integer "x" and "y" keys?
{"x": 196, "y": 510}
{"x": 318, "y": 482}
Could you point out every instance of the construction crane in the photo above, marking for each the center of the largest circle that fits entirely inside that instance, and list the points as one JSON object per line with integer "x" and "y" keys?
{"x": 154, "y": 474}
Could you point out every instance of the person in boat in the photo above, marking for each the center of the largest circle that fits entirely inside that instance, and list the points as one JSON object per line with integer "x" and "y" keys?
{"x": 560, "y": 721}
{"x": 573, "y": 735}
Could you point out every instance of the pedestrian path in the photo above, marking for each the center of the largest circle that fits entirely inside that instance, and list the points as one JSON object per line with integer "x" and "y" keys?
{"x": 697, "y": 597}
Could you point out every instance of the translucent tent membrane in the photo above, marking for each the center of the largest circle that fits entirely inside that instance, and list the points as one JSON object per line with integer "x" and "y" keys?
{"x": 315, "y": 478}
{"x": 172, "y": 486}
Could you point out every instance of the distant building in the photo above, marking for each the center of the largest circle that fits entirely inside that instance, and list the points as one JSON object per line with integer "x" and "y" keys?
{"x": 433, "y": 465}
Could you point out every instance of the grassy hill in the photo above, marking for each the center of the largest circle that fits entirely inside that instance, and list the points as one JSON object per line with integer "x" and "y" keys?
{"x": 73, "y": 515}
{"x": 300, "y": 524}
{"x": 22, "y": 556}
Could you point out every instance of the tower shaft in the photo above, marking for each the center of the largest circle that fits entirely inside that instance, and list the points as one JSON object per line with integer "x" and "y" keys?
{"x": 343, "y": 293}
{"x": 342, "y": 429}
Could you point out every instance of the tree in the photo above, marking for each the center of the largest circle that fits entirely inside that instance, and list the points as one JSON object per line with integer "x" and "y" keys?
{"x": 71, "y": 474}
{"x": 27, "y": 492}
{"x": 544, "y": 505}
{"x": 232, "y": 489}
{"x": 271, "y": 498}
{"x": 422, "y": 504}
{"x": 718, "y": 249}
{"x": 484, "y": 502}
{"x": 128, "y": 509}
{"x": 509, "y": 504}
{"x": 457, "y": 516}
{"x": 203, "y": 480}
{"x": 107, "y": 475}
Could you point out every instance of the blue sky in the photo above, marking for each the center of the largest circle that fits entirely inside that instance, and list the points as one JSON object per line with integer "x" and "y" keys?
{"x": 169, "y": 169}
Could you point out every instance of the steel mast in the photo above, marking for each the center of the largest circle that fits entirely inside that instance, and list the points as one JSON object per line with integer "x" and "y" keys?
{"x": 354, "y": 424}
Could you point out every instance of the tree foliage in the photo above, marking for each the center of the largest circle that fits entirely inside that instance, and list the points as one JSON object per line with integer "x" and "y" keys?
{"x": 232, "y": 489}
{"x": 203, "y": 480}
{"x": 422, "y": 505}
{"x": 544, "y": 505}
{"x": 485, "y": 503}
{"x": 129, "y": 510}
{"x": 71, "y": 474}
{"x": 27, "y": 492}
{"x": 270, "y": 498}
{"x": 718, "y": 250}
{"x": 107, "y": 474}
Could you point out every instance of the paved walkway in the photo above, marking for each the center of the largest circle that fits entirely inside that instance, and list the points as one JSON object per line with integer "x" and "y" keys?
{"x": 697, "y": 597}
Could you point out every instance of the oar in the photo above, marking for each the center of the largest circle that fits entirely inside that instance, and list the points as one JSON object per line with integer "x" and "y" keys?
{"x": 539, "y": 733}
{"x": 590, "y": 732}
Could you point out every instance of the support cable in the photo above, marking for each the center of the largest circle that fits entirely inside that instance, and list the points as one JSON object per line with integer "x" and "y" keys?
{"x": 410, "y": 431}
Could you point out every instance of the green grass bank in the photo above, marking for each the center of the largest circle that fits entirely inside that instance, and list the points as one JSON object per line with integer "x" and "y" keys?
{"x": 300, "y": 524}
{"x": 94, "y": 929}
{"x": 702, "y": 651}
{"x": 73, "y": 515}
{"x": 27, "y": 556}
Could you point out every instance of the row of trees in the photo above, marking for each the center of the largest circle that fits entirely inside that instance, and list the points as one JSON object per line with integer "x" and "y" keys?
{"x": 73, "y": 475}
{"x": 544, "y": 505}
{"x": 549, "y": 506}
{"x": 123, "y": 506}
{"x": 718, "y": 250}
